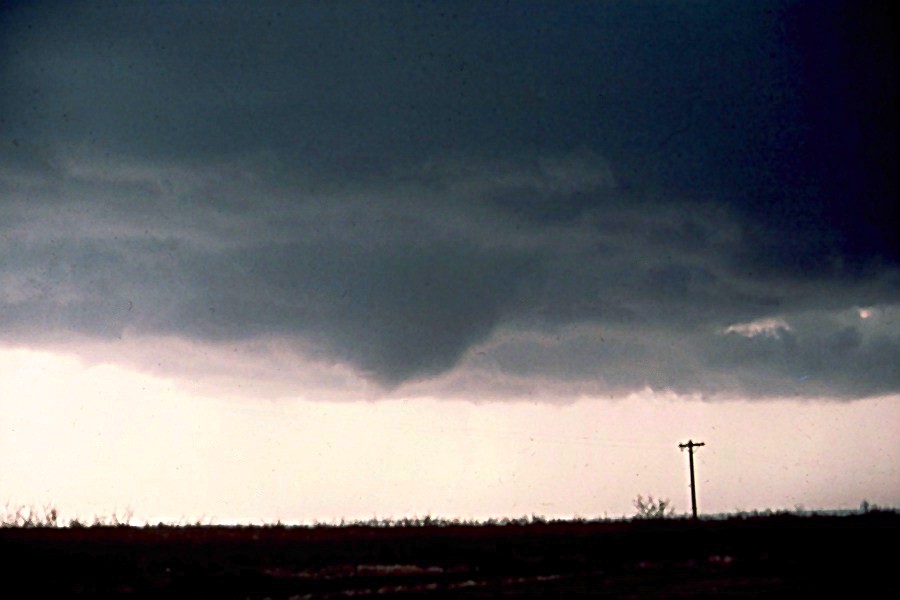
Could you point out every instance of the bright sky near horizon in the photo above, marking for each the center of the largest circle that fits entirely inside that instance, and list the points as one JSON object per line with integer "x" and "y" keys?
{"x": 102, "y": 440}
{"x": 323, "y": 260}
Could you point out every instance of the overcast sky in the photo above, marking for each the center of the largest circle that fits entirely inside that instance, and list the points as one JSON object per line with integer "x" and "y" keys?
{"x": 467, "y": 201}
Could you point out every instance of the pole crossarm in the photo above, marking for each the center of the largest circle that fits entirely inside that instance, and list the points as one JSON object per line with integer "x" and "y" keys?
{"x": 690, "y": 445}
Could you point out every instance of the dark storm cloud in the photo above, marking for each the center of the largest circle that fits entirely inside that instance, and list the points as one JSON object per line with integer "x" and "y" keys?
{"x": 589, "y": 193}
{"x": 815, "y": 354}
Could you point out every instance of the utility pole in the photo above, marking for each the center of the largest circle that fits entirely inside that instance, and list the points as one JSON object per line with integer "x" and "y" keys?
{"x": 691, "y": 444}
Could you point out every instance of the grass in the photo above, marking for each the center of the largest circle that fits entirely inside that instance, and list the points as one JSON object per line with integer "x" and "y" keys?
{"x": 48, "y": 516}
{"x": 780, "y": 554}
{"x": 770, "y": 554}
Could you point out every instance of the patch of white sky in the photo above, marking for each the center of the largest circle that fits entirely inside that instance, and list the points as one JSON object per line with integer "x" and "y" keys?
{"x": 769, "y": 326}
{"x": 94, "y": 440}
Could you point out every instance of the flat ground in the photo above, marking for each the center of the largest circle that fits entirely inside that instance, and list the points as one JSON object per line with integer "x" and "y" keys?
{"x": 772, "y": 556}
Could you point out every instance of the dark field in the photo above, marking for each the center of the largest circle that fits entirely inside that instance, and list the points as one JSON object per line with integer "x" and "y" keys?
{"x": 771, "y": 556}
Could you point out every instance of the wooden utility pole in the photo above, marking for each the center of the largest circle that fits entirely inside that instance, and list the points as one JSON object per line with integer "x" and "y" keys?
{"x": 691, "y": 444}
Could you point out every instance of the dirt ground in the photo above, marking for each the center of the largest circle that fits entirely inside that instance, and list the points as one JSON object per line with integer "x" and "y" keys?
{"x": 772, "y": 557}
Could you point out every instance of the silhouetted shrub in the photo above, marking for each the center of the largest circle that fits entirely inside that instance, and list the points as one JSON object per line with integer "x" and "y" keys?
{"x": 651, "y": 508}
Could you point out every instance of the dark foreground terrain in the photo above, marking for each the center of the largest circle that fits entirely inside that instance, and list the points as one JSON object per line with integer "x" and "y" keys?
{"x": 772, "y": 556}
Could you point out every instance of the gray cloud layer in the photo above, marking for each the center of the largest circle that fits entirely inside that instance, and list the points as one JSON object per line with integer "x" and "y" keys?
{"x": 489, "y": 201}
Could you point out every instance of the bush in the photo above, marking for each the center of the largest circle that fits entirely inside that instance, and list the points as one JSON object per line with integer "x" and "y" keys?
{"x": 29, "y": 517}
{"x": 652, "y": 509}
